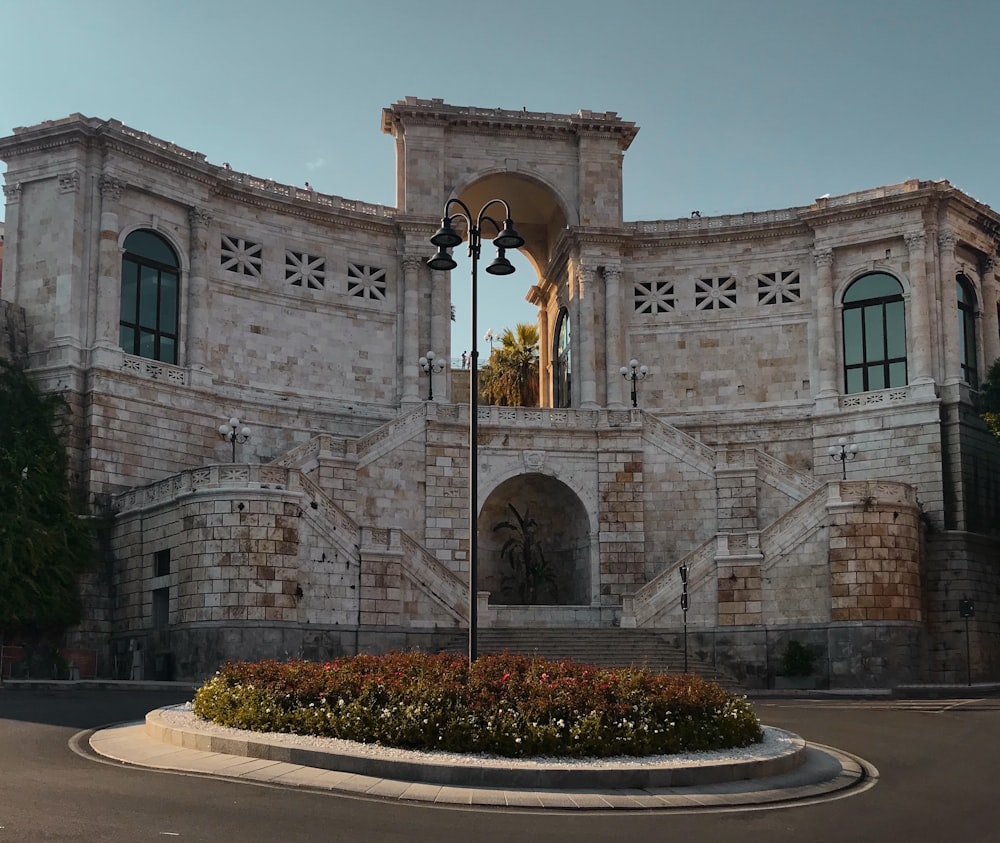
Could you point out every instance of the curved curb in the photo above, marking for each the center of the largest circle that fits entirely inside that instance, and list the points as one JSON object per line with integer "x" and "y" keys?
{"x": 491, "y": 773}
{"x": 824, "y": 774}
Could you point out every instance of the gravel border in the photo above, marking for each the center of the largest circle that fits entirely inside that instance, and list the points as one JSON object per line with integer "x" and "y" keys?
{"x": 779, "y": 752}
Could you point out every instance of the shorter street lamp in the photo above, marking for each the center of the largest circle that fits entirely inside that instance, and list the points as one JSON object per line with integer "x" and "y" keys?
{"x": 634, "y": 372}
{"x": 233, "y": 433}
{"x": 431, "y": 365}
{"x": 842, "y": 452}
{"x": 684, "y": 607}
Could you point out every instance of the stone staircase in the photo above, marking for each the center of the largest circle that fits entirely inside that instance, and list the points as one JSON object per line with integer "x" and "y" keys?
{"x": 605, "y": 647}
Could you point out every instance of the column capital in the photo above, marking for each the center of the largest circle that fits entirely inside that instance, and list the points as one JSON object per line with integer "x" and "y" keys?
{"x": 69, "y": 182}
{"x": 823, "y": 258}
{"x": 199, "y": 217}
{"x": 111, "y": 187}
{"x": 915, "y": 240}
{"x": 411, "y": 262}
{"x": 612, "y": 272}
{"x": 12, "y": 193}
{"x": 946, "y": 241}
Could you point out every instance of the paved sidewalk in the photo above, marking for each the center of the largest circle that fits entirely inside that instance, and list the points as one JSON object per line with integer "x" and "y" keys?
{"x": 815, "y": 773}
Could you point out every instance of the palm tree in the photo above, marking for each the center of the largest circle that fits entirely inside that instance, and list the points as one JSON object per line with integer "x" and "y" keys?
{"x": 531, "y": 576}
{"x": 510, "y": 378}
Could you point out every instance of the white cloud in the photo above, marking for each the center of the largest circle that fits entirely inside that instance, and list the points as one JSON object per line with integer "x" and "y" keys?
{"x": 316, "y": 164}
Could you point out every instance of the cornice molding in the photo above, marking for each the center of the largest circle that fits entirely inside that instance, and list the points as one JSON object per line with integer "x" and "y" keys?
{"x": 414, "y": 111}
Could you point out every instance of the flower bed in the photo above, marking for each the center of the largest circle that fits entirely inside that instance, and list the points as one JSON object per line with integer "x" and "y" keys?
{"x": 506, "y": 705}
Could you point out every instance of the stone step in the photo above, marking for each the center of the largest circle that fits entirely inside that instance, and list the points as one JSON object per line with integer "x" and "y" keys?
{"x": 603, "y": 648}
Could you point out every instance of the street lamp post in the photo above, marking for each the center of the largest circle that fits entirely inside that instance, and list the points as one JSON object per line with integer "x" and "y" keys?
{"x": 447, "y": 238}
{"x": 233, "y": 433}
{"x": 431, "y": 365}
{"x": 634, "y": 372}
{"x": 684, "y": 608}
{"x": 842, "y": 452}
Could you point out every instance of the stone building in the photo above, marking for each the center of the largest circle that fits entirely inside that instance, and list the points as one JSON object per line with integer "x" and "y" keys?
{"x": 163, "y": 294}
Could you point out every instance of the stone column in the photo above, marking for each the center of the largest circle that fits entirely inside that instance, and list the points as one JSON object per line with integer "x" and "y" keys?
{"x": 544, "y": 359}
{"x": 919, "y": 340}
{"x": 12, "y": 196}
{"x": 109, "y": 266}
{"x": 951, "y": 371}
{"x": 988, "y": 322}
{"x": 197, "y": 294}
{"x": 826, "y": 334}
{"x": 411, "y": 329}
{"x": 440, "y": 339}
{"x": 586, "y": 374}
{"x": 613, "y": 332}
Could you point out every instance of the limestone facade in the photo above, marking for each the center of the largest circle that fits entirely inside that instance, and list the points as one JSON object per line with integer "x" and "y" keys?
{"x": 344, "y": 522}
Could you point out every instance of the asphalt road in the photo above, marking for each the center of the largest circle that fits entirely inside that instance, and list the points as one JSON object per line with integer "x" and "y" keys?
{"x": 939, "y": 766}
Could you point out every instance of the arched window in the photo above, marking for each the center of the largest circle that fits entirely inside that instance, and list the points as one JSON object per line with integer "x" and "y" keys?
{"x": 967, "y": 330}
{"x": 874, "y": 334}
{"x": 562, "y": 369}
{"x": 150, "y": 289}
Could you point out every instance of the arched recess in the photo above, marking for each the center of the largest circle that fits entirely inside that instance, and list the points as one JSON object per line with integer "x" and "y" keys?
{"x": 540, "y": 214}
{"x": 562, "y": 532}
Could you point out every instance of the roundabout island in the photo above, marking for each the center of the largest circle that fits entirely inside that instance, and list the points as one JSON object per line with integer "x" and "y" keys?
{"x": 364, "y": 727}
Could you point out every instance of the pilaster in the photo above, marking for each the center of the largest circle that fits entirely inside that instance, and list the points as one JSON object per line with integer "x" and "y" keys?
{"x": 921, "y": 292}
{"x": 613, "y": 333}
{"x": 586, "y": 371}
{"x": 825, "y": 330}
{"x": 411, "y": 329}
{"x": 107, "y": 351}
{"x": 199, "y": 220}
{"x": 989, "y": 317}
{"x": 12, "y": 197}
{"x": 950, "y": 374}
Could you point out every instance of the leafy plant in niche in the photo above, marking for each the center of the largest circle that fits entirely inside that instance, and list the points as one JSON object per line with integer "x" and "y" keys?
{"x": 531, "y": 577}
{"x": 798, "y": 659}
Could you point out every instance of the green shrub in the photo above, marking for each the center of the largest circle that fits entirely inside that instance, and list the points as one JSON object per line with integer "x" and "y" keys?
{"x": 798, "y": 659}
{"x": 508, "y": 705}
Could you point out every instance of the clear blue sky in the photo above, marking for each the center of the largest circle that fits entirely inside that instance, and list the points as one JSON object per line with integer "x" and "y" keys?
{"x": 742, "y": 104}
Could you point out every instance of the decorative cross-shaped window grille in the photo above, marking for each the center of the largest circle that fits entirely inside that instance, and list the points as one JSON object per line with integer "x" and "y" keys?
{"x": 779, "y": 287}
{"x": 715, "y": 293}
{"x": 366, "y": 282}
{"x": 242, "y": 256}
{"x": 653, "y": 297}
{"x": 302, "y": 270}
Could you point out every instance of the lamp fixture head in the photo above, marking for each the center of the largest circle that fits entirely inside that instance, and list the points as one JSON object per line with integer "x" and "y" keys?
{"x": 442, "y": 261}
{"x": 500, "y": 265}
{"x": 508, "y": 238}
{"x": 446, "y": 237}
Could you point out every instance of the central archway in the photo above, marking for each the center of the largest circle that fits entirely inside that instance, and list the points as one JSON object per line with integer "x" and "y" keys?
{"x": 562, "y": 534}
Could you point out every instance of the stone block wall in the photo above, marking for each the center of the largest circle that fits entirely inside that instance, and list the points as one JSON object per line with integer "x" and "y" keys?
{"x": 740, "y": 594}
{"x": 446, "y": 494}
{"x": 622, "y": 523}
{"x": 797, "y": 581}
{"x": 875, "y": 560}
{"x": 962, "y": 566}
{"x": 680, "y": 509}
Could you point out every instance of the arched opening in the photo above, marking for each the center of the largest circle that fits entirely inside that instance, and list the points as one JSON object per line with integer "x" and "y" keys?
{"x": 874, "y": 333}
{"x": 539, "y": 516}
{"x": 540, "y": 218}
{"x": 150, "y": 297}
{"x": 562, "y": 370}
{"x": 967, "y": 342}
